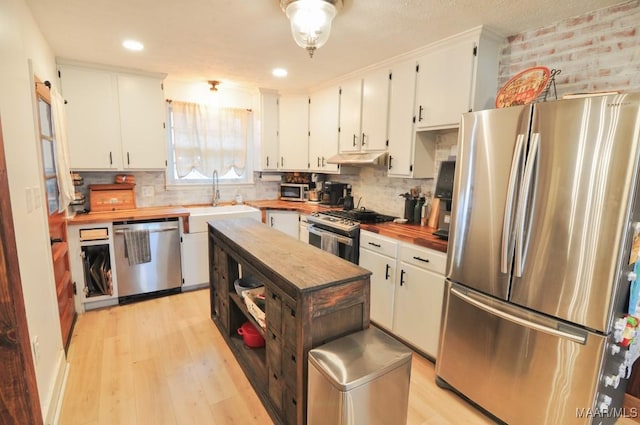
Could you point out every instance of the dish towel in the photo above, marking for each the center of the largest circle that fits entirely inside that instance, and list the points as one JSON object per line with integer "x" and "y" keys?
{"x": 329, "y": 243}
{"x": 136, "y": 246}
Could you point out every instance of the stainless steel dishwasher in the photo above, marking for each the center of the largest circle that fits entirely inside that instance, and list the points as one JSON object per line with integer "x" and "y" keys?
{"x": 159, "y": 272}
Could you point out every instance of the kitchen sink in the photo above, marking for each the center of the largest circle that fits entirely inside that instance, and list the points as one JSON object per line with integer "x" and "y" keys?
{"x": 199, "y": 216}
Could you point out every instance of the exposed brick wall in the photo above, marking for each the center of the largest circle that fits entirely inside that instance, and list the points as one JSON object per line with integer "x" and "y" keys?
{"x": 596, "y": 51}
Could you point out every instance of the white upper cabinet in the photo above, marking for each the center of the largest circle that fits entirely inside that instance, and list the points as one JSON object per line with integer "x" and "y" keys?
{"x": 115, "y": 120}
{"x": 268, "y": 130}
{"x": 364, "y": 106}
{"x": 375, "y": 110}
{"x": 323, "y": 128}
{"x": 401, "y": 134}
{"x": 350, "y": 114}
{"x": 294, "y": 132}
{"x": 93, "y": 119}
{"x": 142, "y": 114}
{"x": 455, "y": 76}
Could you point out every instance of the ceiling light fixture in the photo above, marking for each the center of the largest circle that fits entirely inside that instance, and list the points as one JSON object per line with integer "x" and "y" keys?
{"x": 279, "y": 72}
{"x": 310, "y": 21}
{"x": 214, "y": 85}
{"x": 133, "y": 45}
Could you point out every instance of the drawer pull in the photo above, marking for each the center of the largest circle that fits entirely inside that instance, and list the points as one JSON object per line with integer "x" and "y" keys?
{"x": 377, "y": 245}
{"x": 293, "y": 400}
{"x": 293, "y": 358}
{"x": 425, "y": 260}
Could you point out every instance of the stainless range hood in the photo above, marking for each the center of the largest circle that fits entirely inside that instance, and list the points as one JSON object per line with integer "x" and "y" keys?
{"x": 360, "y": 158}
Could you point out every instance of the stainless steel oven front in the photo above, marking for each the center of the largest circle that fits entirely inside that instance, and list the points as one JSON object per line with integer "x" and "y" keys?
{"x": 345, "y": 245}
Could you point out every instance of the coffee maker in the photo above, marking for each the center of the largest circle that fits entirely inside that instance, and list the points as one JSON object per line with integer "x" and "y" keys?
{"x": 333, "y": 193}
{"x": 444, "y": 192}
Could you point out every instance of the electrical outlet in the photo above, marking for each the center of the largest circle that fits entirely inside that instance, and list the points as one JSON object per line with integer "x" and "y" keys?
{"x": 35, "y": 343}
{"x": 147, "y": 191}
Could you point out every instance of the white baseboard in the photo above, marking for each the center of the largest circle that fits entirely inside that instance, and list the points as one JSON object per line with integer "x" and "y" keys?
{"x": 57, "y": 394}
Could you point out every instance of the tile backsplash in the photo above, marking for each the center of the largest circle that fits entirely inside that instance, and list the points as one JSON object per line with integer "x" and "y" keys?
{"x": 374, "y": 190}
{"x": 370, "y": 186}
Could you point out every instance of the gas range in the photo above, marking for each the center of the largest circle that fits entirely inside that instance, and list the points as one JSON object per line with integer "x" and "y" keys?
{"x": 347, "y": 221}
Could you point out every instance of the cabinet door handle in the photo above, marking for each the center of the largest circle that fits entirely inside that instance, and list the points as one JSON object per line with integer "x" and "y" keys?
{"x": 128, "y": 162}
{"x": 401, "y": 277}
{"x": 110, "y": 158}
{"x": 362, "y": 139}
{"x": 390, "y": 158}
{"x": 424, "y": 260}
{"x": 323, "y": 163}
{"x": 377, "y": 245}
{"x": 318, "y": 161}
{"x": 354, "y": 140}
{"x": 267, "y": 161}
{"x": 420, "y": 113}
{"x": 271, "y": 220}
{"x": 282, "y": 161}
{"x": 386, "y": 272}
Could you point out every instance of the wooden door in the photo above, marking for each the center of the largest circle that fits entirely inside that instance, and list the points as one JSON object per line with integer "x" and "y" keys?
{"x": 18, "y": 389}
{"x": 57, "y": 220}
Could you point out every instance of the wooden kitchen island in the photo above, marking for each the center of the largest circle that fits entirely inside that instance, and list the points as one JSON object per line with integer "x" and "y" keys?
{"x": 312, "y": 297}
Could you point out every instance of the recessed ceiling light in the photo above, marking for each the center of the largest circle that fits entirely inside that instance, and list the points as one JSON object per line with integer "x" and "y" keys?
{"x": 133, "y": 45}
{"x": 279, "y": 72}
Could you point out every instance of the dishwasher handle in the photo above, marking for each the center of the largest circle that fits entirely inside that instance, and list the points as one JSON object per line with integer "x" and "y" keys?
{"x": 165, "y": 229}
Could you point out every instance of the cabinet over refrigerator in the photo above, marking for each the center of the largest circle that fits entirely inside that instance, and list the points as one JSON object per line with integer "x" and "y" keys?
{"x": 544, "y": 210}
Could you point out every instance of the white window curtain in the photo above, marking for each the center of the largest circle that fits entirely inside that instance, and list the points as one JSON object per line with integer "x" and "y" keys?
{"x": 65, "y": 182}
{"x": 207, "y": 138}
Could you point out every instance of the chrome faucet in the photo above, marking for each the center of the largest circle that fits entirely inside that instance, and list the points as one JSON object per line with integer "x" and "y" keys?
{"x": 216, "y": 191}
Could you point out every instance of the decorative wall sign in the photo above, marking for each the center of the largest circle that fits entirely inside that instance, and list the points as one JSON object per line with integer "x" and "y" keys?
{"x": 524, "y": 87}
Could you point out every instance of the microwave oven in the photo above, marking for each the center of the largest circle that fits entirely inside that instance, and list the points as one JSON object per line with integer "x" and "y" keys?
{"x": 294, "y": 192}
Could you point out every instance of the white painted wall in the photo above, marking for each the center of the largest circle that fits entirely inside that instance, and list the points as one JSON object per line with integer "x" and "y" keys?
{"x": 20, "y": 40}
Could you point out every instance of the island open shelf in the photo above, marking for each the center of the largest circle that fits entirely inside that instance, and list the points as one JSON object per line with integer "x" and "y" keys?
{"x": 312, "y": 297}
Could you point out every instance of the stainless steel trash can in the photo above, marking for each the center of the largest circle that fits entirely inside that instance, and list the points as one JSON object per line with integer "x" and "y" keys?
{"x": 359, "y": 379}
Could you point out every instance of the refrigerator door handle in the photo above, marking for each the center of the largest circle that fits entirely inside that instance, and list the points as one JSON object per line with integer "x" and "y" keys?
{"x": 522, "y": 203}
{"x": 580, "y": 339}
{"x": 508, "y": 211}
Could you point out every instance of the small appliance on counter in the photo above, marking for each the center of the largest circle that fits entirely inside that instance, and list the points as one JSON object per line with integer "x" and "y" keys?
{"x": 294, "y": 192}
{"x": 444, "y": 190}
{"x": 334, "y": 193}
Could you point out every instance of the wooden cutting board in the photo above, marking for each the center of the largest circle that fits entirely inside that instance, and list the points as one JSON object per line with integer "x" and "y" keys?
{"x": 435, "y": 213}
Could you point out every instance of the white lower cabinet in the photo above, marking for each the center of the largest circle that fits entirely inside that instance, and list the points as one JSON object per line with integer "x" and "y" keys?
{"x": 286, "y": 221}
{"x": 303, "y": 234}
{"x": 195, "y": 260}
{"x": 407, "y": 287}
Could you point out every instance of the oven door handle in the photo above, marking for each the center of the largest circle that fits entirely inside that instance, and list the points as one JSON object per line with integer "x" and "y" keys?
{"x": 342, "y": 239}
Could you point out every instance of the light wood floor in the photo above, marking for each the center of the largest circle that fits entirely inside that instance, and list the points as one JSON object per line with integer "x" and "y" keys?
{"x": 163, "y": 361}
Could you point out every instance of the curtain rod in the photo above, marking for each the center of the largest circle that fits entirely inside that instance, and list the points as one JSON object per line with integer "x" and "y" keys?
{"x": 171, "y": 100}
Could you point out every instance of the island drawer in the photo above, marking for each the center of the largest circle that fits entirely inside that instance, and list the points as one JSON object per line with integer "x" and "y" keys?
{"x": 273, "y": 313}
{"x": 290, "y": 325}
{"x": 274, "y": 351}
{"x": 276, "y": 388}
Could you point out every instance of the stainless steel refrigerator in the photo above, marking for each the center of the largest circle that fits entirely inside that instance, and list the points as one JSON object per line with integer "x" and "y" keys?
{"x": 544, "y": 206}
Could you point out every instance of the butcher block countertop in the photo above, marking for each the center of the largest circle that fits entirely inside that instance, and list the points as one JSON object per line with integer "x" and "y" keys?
{"x": 129, "y": 215}
{"x": 271, "y": 251}
{"x": 411, "y": 233}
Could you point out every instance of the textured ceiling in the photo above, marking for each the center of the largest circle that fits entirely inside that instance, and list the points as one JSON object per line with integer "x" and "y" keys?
{"x": 241, "y": 41}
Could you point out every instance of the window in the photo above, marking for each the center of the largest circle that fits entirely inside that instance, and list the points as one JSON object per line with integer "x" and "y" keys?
{"x": 205, "y": 138}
